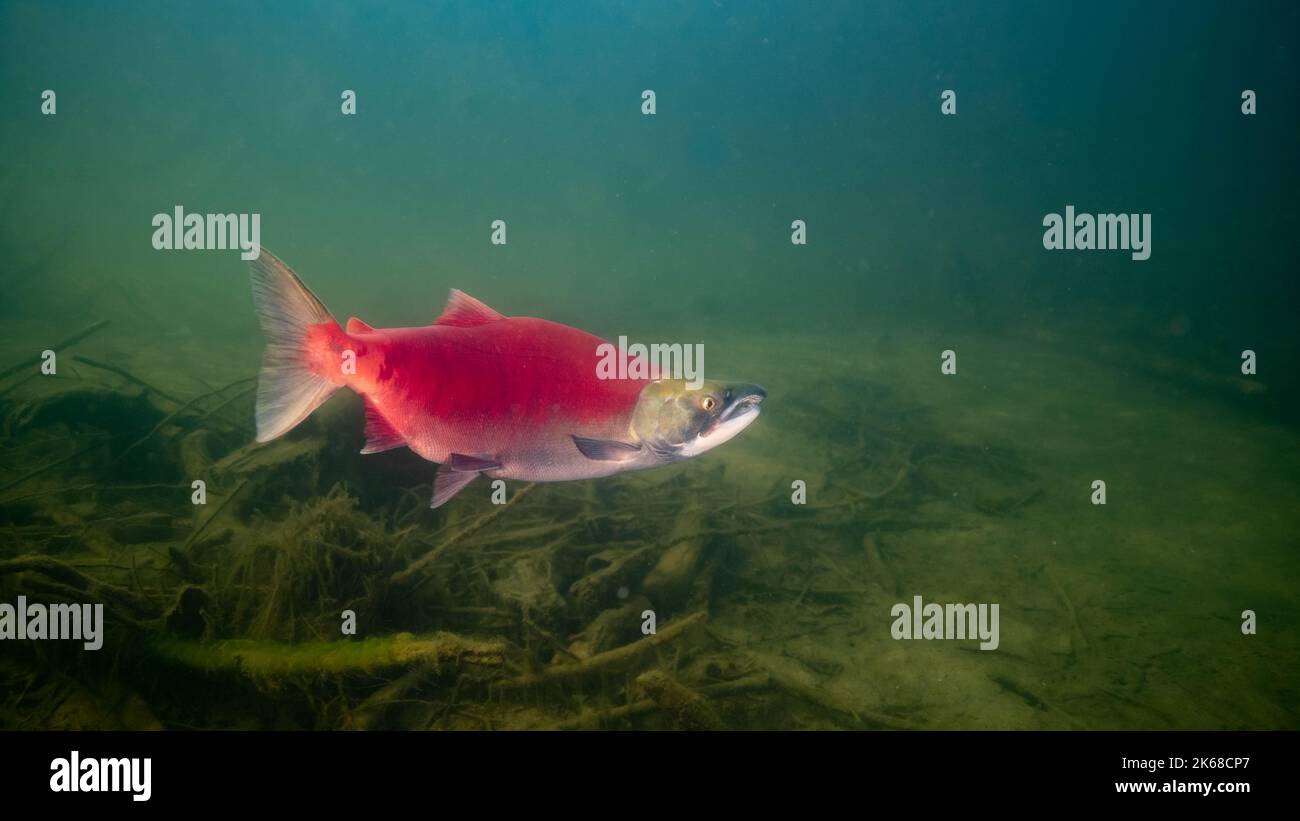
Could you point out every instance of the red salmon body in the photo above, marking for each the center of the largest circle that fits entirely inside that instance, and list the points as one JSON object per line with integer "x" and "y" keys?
{"x": 478, "y": 392}
{"x": 508, "y": 390}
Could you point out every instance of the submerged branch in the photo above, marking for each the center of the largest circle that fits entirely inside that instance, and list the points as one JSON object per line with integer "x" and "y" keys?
{"x": 75, "y": 338}
{"x": 128, "y": 376}
{"x": 610, "y": 660}
{"x": 272, "y": 659}
{"x": 414, "y": 568}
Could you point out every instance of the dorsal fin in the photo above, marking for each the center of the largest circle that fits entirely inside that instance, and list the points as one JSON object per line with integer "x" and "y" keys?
{"x": 464, "y": 311}
{"x": 356, "y": 326}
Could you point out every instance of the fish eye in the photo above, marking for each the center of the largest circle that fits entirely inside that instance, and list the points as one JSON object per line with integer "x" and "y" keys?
{"x": 708, "y": 403}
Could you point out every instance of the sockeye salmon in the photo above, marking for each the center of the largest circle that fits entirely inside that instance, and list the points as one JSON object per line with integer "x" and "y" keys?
{"x": 478, "y": 392}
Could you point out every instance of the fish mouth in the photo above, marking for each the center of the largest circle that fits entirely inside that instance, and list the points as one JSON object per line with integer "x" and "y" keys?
{"x": 745, "y": 399}
{"x": 739, "y": 413}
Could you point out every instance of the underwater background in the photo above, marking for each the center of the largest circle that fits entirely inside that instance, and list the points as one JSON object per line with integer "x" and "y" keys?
{"x": 924, "y": 234}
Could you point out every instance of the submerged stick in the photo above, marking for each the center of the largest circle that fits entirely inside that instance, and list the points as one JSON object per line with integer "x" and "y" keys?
{"x": 224, "y": 404}
{"x": 261, "y": 659}
{"x": 1069, "y": 606}
{"x": 72, "y": 340}
{"x": 881, "y": 572}
{"x": 608, "y": 660}
{"x": 369, "y": 713}
{"x": 403, "y": 576}
{"x": 898, "y": 480}
{"x": 104, "y": 366}
{"x": 597, "y": 719}
{"x": 1030, "y": 698}
{"x": 169, "y": 417}
{"x": 86, "y": 586}
{"x": 199, "y": 530}
{"x": 42, "y": 469}
{"x": 18, "y": 384}
{"x": 78, "y": 488}
{"x": 601, "y": 718}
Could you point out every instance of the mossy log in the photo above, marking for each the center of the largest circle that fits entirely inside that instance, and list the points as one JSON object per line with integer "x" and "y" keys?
{"x": 264, "y": 659}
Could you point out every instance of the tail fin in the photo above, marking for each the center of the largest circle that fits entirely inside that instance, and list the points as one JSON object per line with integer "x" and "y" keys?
{"x": 288, "y": 390}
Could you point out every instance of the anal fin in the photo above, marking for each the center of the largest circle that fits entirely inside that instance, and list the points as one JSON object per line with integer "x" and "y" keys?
{"x": 448, "y": 484}
{"x": 380, "y": 434}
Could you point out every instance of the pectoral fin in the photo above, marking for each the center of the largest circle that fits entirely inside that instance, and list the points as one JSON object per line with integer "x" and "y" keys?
{"x": 606, "y": 450}
{"x": 448, "y": 484}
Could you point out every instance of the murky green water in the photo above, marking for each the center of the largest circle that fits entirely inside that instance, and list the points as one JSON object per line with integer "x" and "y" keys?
{"x": 924, "y": 234}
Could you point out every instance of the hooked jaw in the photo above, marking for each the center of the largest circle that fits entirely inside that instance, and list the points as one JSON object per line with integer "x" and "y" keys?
{"x": 743, "y": 399}
{"x": 741, "y": 408}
